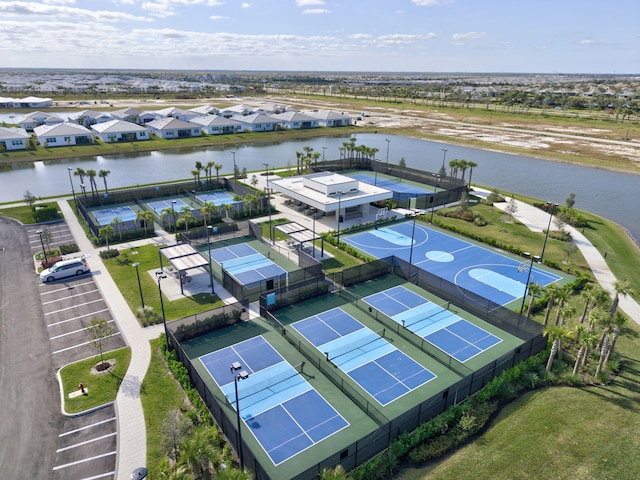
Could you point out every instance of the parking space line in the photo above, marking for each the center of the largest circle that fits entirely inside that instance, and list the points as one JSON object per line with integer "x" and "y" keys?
{"x": 86, "y": 427}
{"x": 86, "y": 442}
{"x": 73, "y": 331}
{"x": 74, "y": 306}
{"x": 65, "y": 288}
{"x": 81, "y": 344}
{"x": 78, "y": 462}
{"x": 71, "y": 296}
{"x": 77, "y": 318}
{"x": 102, "y": 475}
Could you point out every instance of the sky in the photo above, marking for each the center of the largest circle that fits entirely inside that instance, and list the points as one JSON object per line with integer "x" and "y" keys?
{"x": 502, "y": 36}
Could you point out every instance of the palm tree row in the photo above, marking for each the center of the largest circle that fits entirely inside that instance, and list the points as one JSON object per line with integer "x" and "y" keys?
{"x": 304, "y": 160}
{"x": 91, "y": 174}
{"x": 350, "y": 151}
{"x": 461, "y": 166}
{"x": 199, "y": 167}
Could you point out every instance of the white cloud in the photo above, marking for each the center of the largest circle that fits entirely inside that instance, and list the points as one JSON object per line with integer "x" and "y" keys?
{"x": 586, "y": 42}
{"x": 430, "y": 3}
{"x": 462, "y": 37}
{"x": 246, "y": 5}
{"x": 360, "y": 36}
{"x": 29, "y": 9}
{"x": 218, "y": 17}
{"x": 315, "y": 11}
{"x": 403, "y": 38}
{"x": 59, "y": 2}
{"x": 308, "y": 3}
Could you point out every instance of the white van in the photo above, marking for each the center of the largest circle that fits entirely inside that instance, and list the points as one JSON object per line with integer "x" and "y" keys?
{"x": 65, "y": 268}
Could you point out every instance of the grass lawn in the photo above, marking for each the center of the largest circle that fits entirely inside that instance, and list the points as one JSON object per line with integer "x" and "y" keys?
{"x": 102, "y": 388}
{"x": 160, "y": 393}
{"x": 124, "y": 275}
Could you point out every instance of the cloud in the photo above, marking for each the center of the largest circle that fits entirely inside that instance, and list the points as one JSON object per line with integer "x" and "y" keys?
{"x": 360, "y": 36}
{"x": 58, "y": 2}
{"x": 218, "y": 17}
{"x": 461, "y": 37}
{"x": 431, "y": 3}
{"x": 308, "y": 3}
{"x": 586, "y": 42}
{"x": 403, "y": 38}
{"x": 315, "y": 11}
{"x": 246, "y": 5}
{"x": 166, "y": 8}
{"x": 32, "y": 9}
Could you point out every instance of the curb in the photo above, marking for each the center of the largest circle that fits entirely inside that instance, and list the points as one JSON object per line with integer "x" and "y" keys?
{"x": 76, "y": 414}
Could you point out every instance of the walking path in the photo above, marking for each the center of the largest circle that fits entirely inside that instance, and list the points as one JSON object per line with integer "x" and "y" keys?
{"x": 132, "y": 450}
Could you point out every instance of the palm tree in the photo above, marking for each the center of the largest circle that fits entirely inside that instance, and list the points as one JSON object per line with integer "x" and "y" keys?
{"x": 198, "y": 455}
{"x": 79, "y": 172}
{"x": 196, "y": 174}
{"x": 603, "y": 354}
{"x": 619, "y": 319}
{"x": 164, "y": 213}
{"x": 463, "y": 165}
{"x": 106, "y": 232}
{"x": 562, "y": 295}
{"x": 453, "y": 168}
{"x": 199, "y": 167}
{"x": 535, "y": 290}
{"x": 217, "y": 166}
{"x": 103, "y": 175}
{"x": 551, "y": 290}
{"x": 207, "y": 211}
{"x": 186, "y": 217}
{"x": 337, "y": 473}
{"x": 566, "y": 311}
{"x": 621, "y": 287}
{"x": 249, "y": 200}
{"x": 471, "y": 164}
{"x": 116, "y": 223}
{"x": 555, "y": 334}
{"x": 208, "y": 170}
{"x": 146, "y": 217}
{"x": 92, "y": 181}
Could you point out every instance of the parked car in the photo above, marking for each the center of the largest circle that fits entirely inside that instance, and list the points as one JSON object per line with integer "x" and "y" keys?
{"x": 64, "y": 269}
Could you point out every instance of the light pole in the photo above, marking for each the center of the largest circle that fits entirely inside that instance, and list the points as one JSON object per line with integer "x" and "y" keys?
{"x": 313, "y": 241}
{"x": 173, "y": 214}
{"x": 388, "y": 142}
{"x": 551, "y": 207}
{"x": 443, "y": 170}
{"x": 375, "y": 177}
{"x": 266, "y": 166}
{"x": 413, "y": 231}
{"x": 242, "y": 375}
{"x": 339, "y": 215}
{"x": 161, "y": 276}
{"x": 433, "y": 198}
{"x": 526, "y": 287}
{"x": 73, "y": 192}
{"x": 323, "y": 149}
{"x": 44, "y": 250}
{"x": 84, "y": 191}
{"x": 209, "y": 229}
{"x": 136, "y": 264}
{"x": 235, "y": 176}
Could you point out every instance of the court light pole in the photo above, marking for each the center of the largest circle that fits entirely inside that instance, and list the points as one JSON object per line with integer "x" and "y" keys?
{"x": 235, "y": 175}
{"x": 242, "y": 375}
{"x": 44, "y": 250}
{"x": 209, "y": 230}
{"x": 339, "y": 215}
{"x": 162, "y": 276}
{"x": 526, "y": 287}
{"x": 443, "y": 169}
{"x": 413, "y": 231}
{"x": 266, "y": 166}
{"x": 137, "y": 265}
{"x": 388, "y": 142}
{"x": 433, "y": 198}
{"x": 551, "y": 207}
{"x": 84, "y": 191}
{"x": 313, "y": 241}
{"x": 323, "y": 149}
{"x": 73, "y": 192}
{"x": 173, "y": 214}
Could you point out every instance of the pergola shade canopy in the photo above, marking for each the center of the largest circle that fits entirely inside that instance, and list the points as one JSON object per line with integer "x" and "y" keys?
{"x": 183, "y": 257}
{"x": 297, "y": 232}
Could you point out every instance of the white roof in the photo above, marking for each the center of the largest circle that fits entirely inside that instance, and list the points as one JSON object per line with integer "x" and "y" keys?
{"x": 170, "y": 123}
{"x": 117, "y": 126}
{"x": 328, "y": 115}
{"x": 257, "y": 118}
{"x": 212, "y": 120}
{"x": 293, "y": 116}
{"x": 61, "y": 129}
{"x": 13, "y": 133}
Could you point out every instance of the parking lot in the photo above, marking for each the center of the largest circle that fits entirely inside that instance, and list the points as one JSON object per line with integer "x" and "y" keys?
{"x": 87, "y": 443}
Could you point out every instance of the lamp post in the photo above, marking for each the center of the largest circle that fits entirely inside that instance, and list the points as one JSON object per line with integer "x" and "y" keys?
{"x": 443, "y": 169}
{"x": 84, "y": 191}
{"x": 209, "y": 230}
{"x": 413, "y": 231}
{"x": 266, "y": 167}
{"x": 136, "y": 265}
{"x": 73, "y": 192}
{"x": 339, "y": 215}
{"x": 433, "y": 198}
{"x": 44, "y": 250}
{"x": 323, "y": 149}
{"x": 235, "y": 176}
{"x": 313, "y": 241}
{"x": 161, "y": 276}
{"x": 242, "y": 375}
{"x": 173, "y": 214}
{"x": 375, "y": 173}
{"x": 551, "y": 207}
{"x": 526, "y": 287}
{"x": 388, "y": 142}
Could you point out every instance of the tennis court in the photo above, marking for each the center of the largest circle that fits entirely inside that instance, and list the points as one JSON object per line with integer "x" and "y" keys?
{"x": 442, "y": 328}
{"x": 282, "y": 410}
{"x": 246, "y": 264}
{"x": 217, "y": 198}
{"x": 382, "y": 370}
{"x": 159, "y": 205}
{"x": 487, "y": 273}
{"x": 106, "y": 216}
{"x": 394, "y": 185}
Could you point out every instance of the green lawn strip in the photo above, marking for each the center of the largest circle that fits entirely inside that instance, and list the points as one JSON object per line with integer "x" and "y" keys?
{"x": 278, "y": 235}
{"x": 124, "y": 274}
{"x": 339, "y": 260}
{"x": 101, "y": 388}
{"x": 160, "y": 393}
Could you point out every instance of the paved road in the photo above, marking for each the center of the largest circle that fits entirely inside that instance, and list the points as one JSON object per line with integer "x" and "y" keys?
{"x": 30, "y": 421}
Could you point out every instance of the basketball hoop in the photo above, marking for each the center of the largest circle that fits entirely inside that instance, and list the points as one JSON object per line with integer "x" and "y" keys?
{"x": 523, "y": 267}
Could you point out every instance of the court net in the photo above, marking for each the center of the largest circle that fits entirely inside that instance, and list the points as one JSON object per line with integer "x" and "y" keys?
{"x": 362, "y": 345}
{"x": 274, "y": 384}
{"x": 433, "y": 314}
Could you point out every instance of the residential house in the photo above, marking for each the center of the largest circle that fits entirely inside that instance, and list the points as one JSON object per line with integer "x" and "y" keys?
{"x": 218, "y": 125}
{"x": 63, "y": 134}
{"x": 174, "y": 128}
{"x": 329, "y": 118}
{"x": 258, "y": 122}
{"x": 178, "y": 113}
{"x": 89, "y": 117}
{"x": 26, "y": 102}
{"x": 13, "y": 139}
{"x": 120, "y": 131}
{"x": 236, "y": 110}
{"x": 35, "y": 119}
{"x": 296, "y": 120}
{"x": 205, "y": 110}
{"x": 126, "y": 114}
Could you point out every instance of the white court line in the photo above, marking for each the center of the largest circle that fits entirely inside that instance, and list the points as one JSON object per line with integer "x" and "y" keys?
{"x": 77, "y": 318}
{"x": 86, "y": 442}
{"x": 76, "y": 430}
{"x": 78, "y": 462}
{"x": 81, "y": 344}
{"x": 71, "y": 296}
{"x": 72, "y": 332}
{"x": 74, "y": 306}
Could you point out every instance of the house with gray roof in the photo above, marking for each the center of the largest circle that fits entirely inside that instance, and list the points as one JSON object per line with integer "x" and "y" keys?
{"x": 13, "y": 139}
{"x": 178, "y": 113}
{"x": 296, "y": 120}
{"x": 63, "y": 135}
{"x": 205, "y": 110}
{"x": 170, "y": 128}
{"x": 127, "y": 114}
{"x": 218, "y": 125}
{"x": 259, "y": 122}
{"x": 329, "y": 118}
{"x": 120, "y": 131}
{"x": 89, "y": 117}
{"x": 32, "y": 120}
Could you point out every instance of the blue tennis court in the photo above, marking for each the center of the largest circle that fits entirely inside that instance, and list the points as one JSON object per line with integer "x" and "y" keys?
{"x": 217, "y": 198}
{"x": 284, "y": 412}
{"x": 372, "y": 362}
{"x": 159, "y": 205}
{"x": 442, "y": 328}
{"x": 106, "y": 216}
{"x": 246, "y": 264}
{"x": 394, "y": 185}
{"x": 487, "y": 273}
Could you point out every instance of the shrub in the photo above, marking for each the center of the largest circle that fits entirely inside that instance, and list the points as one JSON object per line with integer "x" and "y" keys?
{"x": 148, "y": 316}
{"x": 50, "y": 261}
{"x": 111, "y": 253}
{"x": 69, "y": 248}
